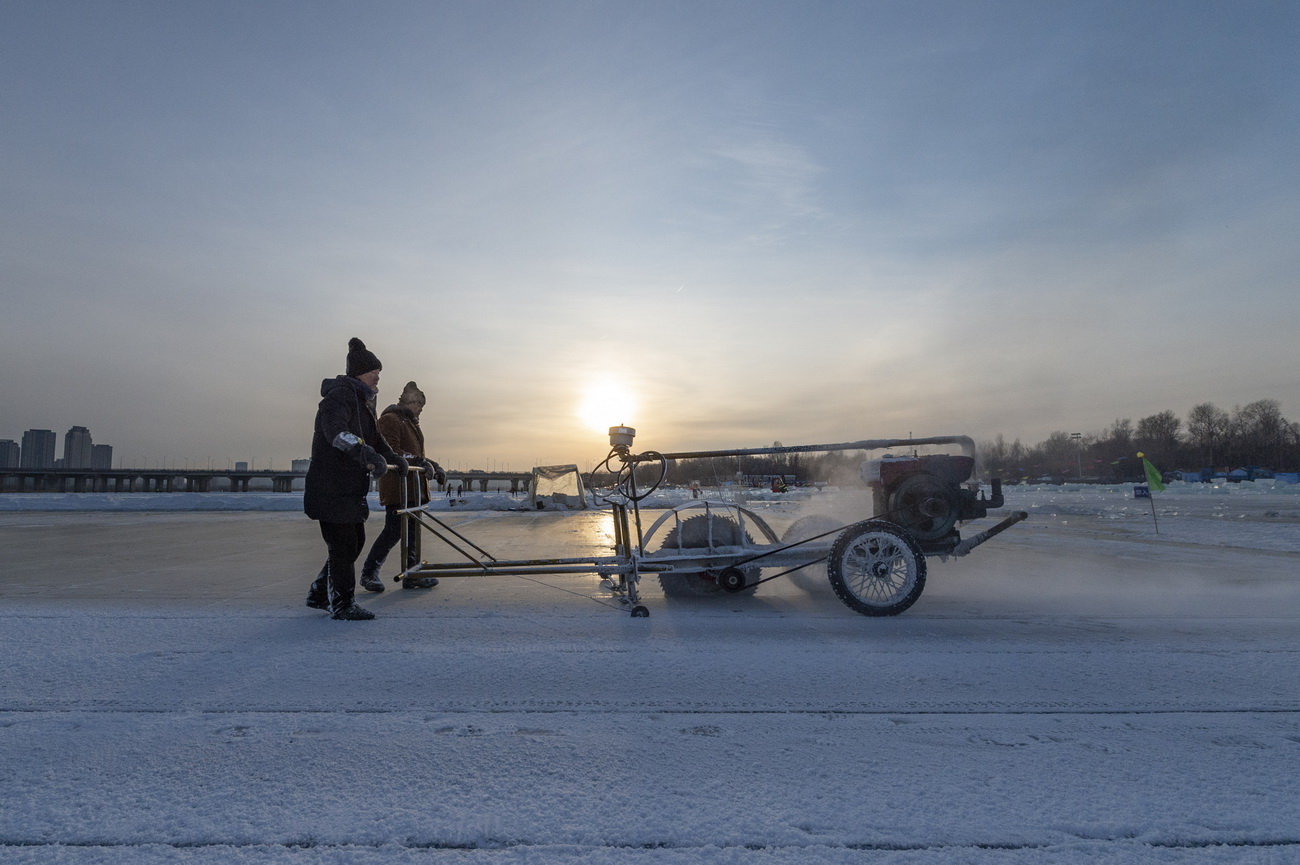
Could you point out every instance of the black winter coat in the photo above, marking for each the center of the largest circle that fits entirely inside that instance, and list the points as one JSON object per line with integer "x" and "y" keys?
{"x": 337, "y": 483}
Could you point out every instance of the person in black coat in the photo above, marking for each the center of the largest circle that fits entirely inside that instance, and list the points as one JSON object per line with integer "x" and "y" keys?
{"x": 346, "y": 452}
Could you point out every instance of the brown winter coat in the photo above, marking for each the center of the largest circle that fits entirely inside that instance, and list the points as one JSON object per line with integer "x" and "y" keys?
{"x": 401, "y": 429}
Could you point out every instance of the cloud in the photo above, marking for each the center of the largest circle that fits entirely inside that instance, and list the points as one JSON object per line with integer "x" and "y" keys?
{"x": 802, "y": 223}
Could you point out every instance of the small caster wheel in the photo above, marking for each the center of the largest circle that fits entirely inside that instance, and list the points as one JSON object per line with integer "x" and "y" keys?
{"x": 640, "y": 612}
{"x": 732, "y": 580}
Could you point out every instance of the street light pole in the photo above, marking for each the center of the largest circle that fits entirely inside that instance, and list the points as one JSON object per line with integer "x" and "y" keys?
{"x": 1078, "y": 454}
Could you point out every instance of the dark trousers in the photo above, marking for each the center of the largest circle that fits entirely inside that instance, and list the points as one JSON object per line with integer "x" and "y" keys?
{"x": 388, "y": 539}
{"x": 337, "y": 581}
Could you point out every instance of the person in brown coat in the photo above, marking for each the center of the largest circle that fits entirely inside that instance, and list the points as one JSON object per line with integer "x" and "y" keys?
{"x": 400, "y": 426}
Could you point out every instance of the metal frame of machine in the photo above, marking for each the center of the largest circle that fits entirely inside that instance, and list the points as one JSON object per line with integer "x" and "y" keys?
{"x": 876, "y": 566}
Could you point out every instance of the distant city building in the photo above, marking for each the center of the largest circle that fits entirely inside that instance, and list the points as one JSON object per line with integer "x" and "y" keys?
{"x": 10, "y": 454}
{"x": 101, "y": 457}
{"x": 38, "y": 449}
{"x": 300, "y": 465}
{"x": 77, "y": 448}
{"x": 241, "y": 467}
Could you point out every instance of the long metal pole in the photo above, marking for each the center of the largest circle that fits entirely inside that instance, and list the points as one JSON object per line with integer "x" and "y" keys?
{"x": 966, "y": 442}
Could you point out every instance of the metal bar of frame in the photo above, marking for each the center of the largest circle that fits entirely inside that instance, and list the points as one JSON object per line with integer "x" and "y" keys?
{"x": 404, "y": 549}
{"x": 528, "y": 566}
{"x": 620, "y": 563}
{"x": 625, "y": 563}
{"x": 966, "y": 442}
{"x": 420, "y": 516}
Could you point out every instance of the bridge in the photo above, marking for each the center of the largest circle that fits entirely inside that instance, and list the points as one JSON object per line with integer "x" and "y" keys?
{"x": 123, "y": 480}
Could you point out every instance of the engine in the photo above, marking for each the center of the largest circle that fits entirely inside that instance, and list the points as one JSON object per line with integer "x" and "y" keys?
{"x": 928, "y": 496}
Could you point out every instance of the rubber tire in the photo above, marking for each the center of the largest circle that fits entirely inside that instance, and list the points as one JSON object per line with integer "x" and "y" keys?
{"x": 887, "y": 550}
{"x": 694, "y": 532}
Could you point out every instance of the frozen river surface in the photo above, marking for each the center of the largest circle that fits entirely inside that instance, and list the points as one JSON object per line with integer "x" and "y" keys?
{"x": 1079, "y": 690}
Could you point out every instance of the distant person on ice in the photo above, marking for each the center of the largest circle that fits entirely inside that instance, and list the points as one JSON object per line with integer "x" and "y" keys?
{"x": 400, "y": 426}
{"x": 346, "y": 452}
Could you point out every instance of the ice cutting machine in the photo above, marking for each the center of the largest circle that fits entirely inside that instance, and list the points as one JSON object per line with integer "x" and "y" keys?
{"x": 876, "y": 566}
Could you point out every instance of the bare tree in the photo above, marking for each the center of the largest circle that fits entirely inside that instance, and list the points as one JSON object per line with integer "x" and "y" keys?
{"x": 993, "y": 457}
{"x": 1117, "y": 441}
{"x": 1158, "y": 437}
{"x": 1058, "y": 455}
{"x": 1207, "y": 432}
{"x": 1261, "y": 435}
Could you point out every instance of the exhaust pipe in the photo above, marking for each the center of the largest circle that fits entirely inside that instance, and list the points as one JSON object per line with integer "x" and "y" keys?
{"x": 964, "y": 547}
{"x": 995, "y": 487}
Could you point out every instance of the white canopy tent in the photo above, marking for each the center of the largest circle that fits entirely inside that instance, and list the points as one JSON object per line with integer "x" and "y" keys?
{"x": 557, "y": 486}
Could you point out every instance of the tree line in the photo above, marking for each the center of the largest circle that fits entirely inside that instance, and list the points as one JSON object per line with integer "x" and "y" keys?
{"x": 1251, "y": 435}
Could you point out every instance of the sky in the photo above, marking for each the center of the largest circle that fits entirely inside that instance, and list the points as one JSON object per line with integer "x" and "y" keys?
{"x": 741, "y": 222}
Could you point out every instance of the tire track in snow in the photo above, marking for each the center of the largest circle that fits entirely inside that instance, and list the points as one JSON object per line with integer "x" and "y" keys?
{"x": 489, "y": 846}
{"x": 588, "y": 710}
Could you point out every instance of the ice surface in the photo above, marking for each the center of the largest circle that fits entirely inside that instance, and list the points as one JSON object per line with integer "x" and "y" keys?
{"x": 1082, "y": 689}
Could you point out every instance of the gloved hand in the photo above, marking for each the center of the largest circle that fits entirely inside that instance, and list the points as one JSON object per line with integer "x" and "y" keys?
{"x": 371, "y": 460}
{"x": 401, "y": 465}
{"x": 435, "y": 471}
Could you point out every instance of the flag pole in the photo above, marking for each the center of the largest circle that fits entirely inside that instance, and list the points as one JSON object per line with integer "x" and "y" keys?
{"x": 1154, "y": 482}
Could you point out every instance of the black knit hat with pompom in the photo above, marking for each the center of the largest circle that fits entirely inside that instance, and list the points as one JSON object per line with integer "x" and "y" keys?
{"x": 361, "y": 361}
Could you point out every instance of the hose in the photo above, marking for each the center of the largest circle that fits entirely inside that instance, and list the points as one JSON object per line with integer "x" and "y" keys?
{"x": 625, "y": 474}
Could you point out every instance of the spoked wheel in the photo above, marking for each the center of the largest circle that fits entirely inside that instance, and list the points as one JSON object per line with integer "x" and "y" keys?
{"x": 876, "y": 568}
{"x": 694, "y": 533}
{"x": 812, "y": 577}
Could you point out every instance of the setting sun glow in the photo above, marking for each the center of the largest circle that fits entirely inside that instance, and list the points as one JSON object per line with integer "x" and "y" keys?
{"x": 605, "y": 404}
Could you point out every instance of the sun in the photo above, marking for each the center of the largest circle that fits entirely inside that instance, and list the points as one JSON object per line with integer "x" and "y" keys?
{"x": 604, "y": 404}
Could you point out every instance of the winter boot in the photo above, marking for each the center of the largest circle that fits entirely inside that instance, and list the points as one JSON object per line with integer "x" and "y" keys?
{"x": 318, "y": 594}
{"x": 352, "y": 614}
{"x": 419, "y": 582}
{"x": 370, "y": 580}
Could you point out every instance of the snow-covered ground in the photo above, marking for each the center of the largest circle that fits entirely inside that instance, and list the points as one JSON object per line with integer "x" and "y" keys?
{"x": 1082, "y": 689}
{"x": 1259, "y": 514}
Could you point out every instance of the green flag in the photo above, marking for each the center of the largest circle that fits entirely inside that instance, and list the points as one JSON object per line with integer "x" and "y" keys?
{"x": 1153, "y": 474}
